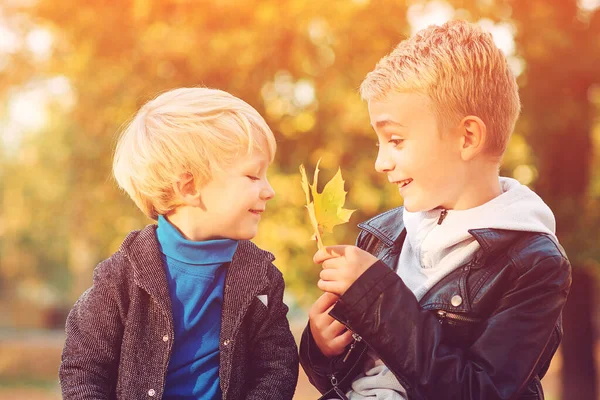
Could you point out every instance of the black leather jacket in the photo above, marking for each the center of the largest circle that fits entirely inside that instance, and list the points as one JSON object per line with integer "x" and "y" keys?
{"x": 486, "y": 331}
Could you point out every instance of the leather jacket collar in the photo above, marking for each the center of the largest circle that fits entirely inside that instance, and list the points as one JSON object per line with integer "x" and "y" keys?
{"x": 389, "y": 226}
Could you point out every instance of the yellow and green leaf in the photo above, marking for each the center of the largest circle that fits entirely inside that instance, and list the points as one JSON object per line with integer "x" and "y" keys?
{"x": 326, "y": 209}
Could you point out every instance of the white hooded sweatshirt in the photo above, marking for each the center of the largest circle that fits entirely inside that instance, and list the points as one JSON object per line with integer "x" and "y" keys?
{"x": 431, "y": 251}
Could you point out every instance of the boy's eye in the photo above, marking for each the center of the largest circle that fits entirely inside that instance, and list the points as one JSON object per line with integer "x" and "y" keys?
{"x": 395, "y": 142}
{"x": 252, "y": 178}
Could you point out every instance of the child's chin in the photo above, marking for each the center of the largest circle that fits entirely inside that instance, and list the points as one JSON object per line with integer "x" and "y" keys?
{"x": 240, "y": 235}
{"x": 246, "y": 236}
{"x": 413, "y": 208}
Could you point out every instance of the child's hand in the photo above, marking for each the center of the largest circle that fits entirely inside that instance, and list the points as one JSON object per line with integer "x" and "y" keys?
{"x": 342, "y": 265}
{"x": 328, "y": 333}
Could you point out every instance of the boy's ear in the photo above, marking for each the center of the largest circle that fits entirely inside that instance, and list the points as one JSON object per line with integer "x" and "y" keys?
{"x": 186, "y": 190}
{"x": 473, "y": 134}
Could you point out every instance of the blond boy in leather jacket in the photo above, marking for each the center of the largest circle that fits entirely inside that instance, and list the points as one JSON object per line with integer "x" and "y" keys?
{"x": 458, "y": 294}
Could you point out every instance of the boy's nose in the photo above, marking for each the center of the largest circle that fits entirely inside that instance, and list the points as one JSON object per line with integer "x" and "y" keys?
{"x": 267, "y": 193}
{"x": 383, "y": 163}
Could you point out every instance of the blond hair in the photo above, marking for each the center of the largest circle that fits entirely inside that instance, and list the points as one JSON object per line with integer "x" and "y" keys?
{"x": 458, "y": 66}
{"x": 185, "y": 131}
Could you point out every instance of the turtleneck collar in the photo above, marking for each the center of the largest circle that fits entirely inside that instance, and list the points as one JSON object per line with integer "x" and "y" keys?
{"x": 208, "y": 252}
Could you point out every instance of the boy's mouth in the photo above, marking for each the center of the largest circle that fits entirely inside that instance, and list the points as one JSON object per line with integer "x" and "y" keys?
{"x": 403, "y": 183}
{"x": 257, "y": 212}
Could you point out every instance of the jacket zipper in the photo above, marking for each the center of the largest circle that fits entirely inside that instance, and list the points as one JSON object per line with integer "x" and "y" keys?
{"x": 357, "y": 339}
{"x": 333, "y": 378}
{"x": 442, "y": 216}
{"x": 336, "y": 389}
{"x": 452, "y": 316}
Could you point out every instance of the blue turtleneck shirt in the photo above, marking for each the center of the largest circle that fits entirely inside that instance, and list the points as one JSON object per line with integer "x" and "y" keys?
{"x": 196, "y": 277}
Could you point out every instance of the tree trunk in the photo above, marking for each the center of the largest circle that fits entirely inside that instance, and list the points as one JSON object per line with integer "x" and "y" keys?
{"x": 578, "y": 368}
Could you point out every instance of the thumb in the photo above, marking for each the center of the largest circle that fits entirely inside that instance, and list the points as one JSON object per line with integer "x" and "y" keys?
{"x": 329, "y": 252}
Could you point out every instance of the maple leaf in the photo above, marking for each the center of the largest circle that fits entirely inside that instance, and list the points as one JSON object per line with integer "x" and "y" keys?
{"x": 326, "y": 208}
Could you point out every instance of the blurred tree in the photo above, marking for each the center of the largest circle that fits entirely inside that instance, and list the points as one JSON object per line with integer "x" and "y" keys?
{"x": 300, "y": 64}
{"x": 559, "y": 42}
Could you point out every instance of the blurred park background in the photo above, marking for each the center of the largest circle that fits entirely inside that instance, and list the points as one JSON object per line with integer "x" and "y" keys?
{"x": 73, "y": 72}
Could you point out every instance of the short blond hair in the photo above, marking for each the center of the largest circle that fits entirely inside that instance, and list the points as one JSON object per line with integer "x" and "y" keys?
{"x": 185, "y": 131}
{"x": 458, "y": 66}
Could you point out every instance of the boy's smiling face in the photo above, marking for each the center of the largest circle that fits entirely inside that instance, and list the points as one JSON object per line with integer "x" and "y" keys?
{"x": 423, "y": 162}
{"x": 233, "y": 201}
{"x": 230, "y": 205}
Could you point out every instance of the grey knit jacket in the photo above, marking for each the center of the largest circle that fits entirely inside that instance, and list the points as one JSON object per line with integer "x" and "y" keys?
{"x": 120, "y": 331}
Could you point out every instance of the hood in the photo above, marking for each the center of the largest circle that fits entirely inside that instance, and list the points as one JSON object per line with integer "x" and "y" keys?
{"x": 517, "y": 208}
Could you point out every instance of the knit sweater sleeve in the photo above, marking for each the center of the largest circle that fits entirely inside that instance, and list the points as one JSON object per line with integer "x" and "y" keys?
{"x": 94, "y": 332}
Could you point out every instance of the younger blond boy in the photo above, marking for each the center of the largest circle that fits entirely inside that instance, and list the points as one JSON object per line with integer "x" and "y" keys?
{"x": 458, "y": 294}
{"x": 188, "y": 308}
